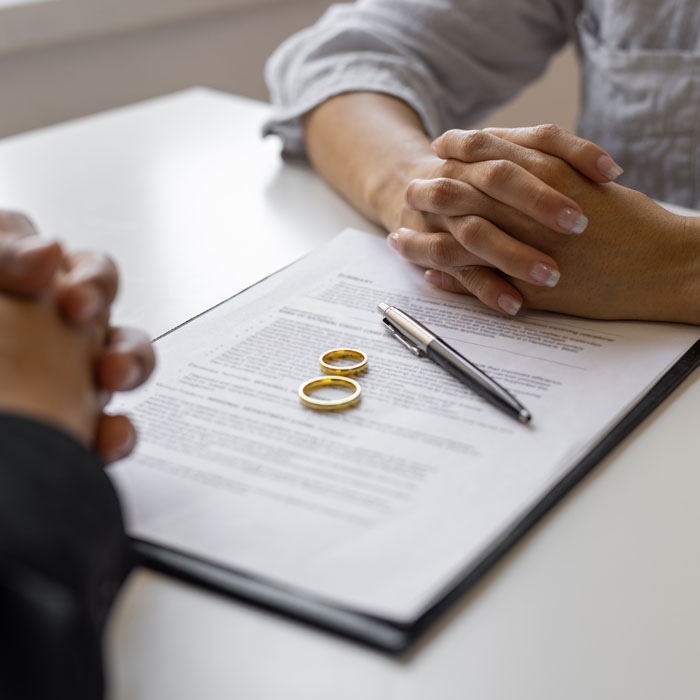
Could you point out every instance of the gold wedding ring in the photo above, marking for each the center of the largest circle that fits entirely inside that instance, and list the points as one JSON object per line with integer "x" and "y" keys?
{"x": 343, "y": 354}
{"x": 312, "y": 385}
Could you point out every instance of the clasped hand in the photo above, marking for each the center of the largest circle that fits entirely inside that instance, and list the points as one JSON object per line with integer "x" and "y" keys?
{"x": 531, "y": 216}
{"x": 60, "y": 360}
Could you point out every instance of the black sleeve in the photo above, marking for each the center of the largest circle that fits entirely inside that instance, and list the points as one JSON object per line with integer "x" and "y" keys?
{"x": 63, "y": 556}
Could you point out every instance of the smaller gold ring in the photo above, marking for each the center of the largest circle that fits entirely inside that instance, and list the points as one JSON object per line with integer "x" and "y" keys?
{"x": 329, "y": 404}
{"x": 343, "y": 354}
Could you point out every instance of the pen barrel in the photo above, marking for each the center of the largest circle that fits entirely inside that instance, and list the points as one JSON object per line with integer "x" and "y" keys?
{"x": 470, "y": 375}
{"x": 411, "y": 329}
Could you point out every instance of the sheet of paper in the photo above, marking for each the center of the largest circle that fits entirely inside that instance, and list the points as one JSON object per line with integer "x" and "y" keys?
{"x": 381, "y": 507}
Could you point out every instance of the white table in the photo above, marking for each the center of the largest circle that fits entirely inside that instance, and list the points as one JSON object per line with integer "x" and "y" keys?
{"x": 600, "y": 601}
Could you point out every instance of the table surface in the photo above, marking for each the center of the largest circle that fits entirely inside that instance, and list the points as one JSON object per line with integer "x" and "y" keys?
{"x": 599, "y": 601}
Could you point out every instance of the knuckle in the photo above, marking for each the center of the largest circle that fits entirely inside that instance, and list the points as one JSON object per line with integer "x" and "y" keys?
{"x": 441, "y": 251}
{"x": 470, "y": 230}
{"x": 539, "y": 199}
{"x": 440, "y": 192}
{"x": 474, "y": 278}
{"x": 448, "y": 139}
{"x": 452, "y": 169}
{"x": 545, "y": 133}
{"x": 497, "y": 172}
{"x": 580, "y": 145}
{"x": 452, "y": 134}
{"x": 474, "y": 143}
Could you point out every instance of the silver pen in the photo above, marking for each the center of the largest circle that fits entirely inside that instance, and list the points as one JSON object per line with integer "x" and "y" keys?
{"x": 423, "y": 342}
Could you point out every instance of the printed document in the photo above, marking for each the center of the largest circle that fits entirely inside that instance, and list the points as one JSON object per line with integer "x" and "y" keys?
{"x": 382, "y": 507}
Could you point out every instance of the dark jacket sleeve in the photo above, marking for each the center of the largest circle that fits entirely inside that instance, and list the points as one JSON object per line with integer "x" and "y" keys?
{"x": 63, "y": 556}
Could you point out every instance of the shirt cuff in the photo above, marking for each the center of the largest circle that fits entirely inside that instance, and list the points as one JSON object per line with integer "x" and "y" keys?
{"x": 287, "y": 123}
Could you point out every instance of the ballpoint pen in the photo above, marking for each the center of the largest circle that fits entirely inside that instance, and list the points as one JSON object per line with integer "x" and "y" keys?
{"x": 423, "y": 342}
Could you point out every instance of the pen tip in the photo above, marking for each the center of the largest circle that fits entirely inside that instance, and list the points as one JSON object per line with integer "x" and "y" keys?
{"x": 524, "y": 416}
{"x": 382, "y": 306}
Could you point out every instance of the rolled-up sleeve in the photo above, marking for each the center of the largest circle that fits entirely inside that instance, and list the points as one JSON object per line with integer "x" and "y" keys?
{"x": 452, "y": 61}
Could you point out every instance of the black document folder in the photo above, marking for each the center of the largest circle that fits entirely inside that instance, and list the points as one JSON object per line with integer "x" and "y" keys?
{"x": 385, "y": 634}
{"x": 377, "y": 631}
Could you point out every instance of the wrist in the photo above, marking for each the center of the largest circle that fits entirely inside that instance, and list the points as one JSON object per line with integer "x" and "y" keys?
{"x": 366, "y": 144}
{"x": 386, "y": 190}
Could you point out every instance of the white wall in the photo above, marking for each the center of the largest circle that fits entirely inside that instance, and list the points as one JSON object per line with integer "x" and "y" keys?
{"x": 44, "y": 84}
{"x": 227, "y": 50}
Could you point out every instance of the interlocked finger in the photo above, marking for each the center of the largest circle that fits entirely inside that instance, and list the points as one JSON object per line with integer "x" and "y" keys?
{"x": 126, "y": 360}
{"x": 87, "y": 287}
{"x": 511, "y": 174}
{"x": 587, "y": 157}
{"x": 472, "y": 240}
{"x": 27, "y": 263}
{"x": 443, "y": 255}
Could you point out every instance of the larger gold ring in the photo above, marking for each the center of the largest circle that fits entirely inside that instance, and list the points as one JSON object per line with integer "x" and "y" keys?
{"x": 329, "y": 404}
{"x": 343, "y": 354}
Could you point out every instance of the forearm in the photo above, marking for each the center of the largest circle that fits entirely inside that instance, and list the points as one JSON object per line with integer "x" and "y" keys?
{"x": 368, "y": 146}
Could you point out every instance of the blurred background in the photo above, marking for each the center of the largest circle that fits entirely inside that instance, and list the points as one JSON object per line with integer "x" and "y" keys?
{"x": 62, "y": 59}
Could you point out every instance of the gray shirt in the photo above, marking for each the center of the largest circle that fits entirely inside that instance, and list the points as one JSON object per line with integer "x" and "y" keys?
{"x": 455, "y": 60}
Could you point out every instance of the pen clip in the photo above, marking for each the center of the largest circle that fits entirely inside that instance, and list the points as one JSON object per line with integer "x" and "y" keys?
{"x": 406, "y": 343}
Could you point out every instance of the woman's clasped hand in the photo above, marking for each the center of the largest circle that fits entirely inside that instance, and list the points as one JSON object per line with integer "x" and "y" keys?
{"x": 531, "y": 216}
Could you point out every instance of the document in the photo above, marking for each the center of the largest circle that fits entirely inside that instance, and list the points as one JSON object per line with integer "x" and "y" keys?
{"x": 383, "y": 507}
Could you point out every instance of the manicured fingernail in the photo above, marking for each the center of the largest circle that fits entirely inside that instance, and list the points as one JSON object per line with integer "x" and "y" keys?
{"x": 509, "y": 304}
{"x": 544, "y": 274}
{"x": 393, "y": 240}
{"x": 572, "y": 220}
{"x": 434, "y": 277}
{"x": 608, "y": 167}
{"x": 91, "y": 302}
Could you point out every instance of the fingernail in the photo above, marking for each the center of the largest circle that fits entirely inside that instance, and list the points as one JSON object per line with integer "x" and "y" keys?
{"x": 608, "y": 167}
{"x": 434, "y": 277}
{"x": 509, "y": 304}
{"x": 90, "y": 304}
{"x": 393, "y": 240}
{"x": 572, "y": 221}
{"x": 544, "y": 274}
